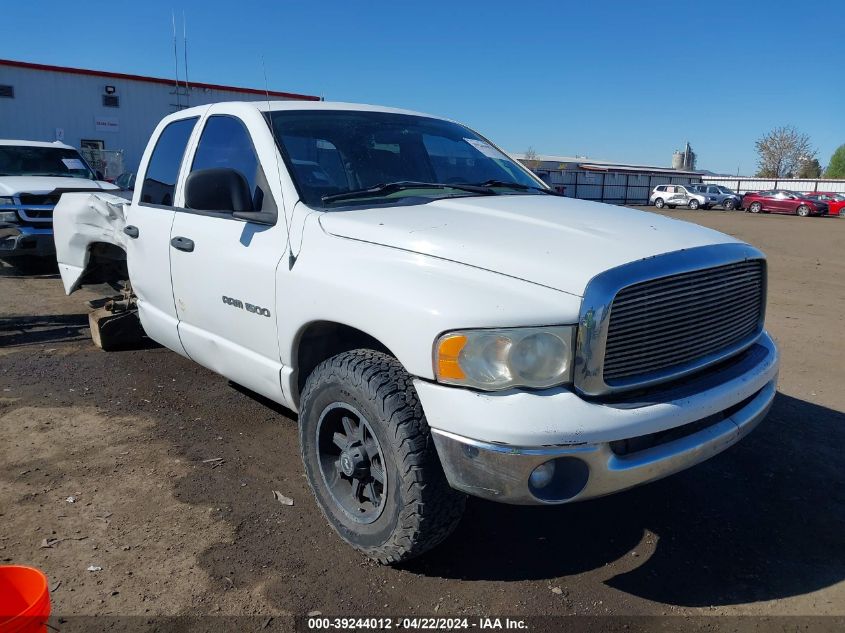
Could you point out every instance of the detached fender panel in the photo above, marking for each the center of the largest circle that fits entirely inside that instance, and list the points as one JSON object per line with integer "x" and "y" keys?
{"x": 83, "y": 219}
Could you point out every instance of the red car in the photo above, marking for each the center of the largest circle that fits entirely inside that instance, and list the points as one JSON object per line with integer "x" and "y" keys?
{"x": 835, "y": 201}
{"x": 783, "y": 201}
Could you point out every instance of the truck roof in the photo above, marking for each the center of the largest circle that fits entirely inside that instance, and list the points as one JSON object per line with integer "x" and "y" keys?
{"x": 273, "y": 106}
{"x": 24, "y": 143}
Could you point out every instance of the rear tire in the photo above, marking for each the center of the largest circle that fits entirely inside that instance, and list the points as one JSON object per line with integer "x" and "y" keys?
{"x": 360, "y": 422}
{"x": 803, "y": 211}
{"x": 755, "y": 207}
{"x": 659, "y": 203}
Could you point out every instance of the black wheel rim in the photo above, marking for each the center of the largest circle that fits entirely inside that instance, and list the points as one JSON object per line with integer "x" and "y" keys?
{"x": 351, "y": 462}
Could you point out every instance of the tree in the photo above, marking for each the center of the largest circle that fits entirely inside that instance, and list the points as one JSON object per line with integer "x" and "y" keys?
{"x": 781, "y": 152}
{"x": 836, "y": 166}
{"x": 809, "y": 168}
{"x": 530, "y": 159}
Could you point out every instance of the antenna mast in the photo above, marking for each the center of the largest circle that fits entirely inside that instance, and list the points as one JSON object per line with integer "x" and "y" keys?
{"x": 176, "y": 60}
{"x": 185, "y": 41}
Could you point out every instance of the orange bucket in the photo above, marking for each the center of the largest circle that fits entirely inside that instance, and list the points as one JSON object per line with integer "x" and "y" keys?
{"x": 24, "y": 600}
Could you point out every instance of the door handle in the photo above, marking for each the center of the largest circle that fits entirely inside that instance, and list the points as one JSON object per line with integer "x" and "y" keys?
{"x": 131, "y": 231}
{"x": 182, "y": 244}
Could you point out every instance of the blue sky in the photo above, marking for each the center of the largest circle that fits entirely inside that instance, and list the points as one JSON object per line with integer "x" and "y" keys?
{"x": 628, "y": 81}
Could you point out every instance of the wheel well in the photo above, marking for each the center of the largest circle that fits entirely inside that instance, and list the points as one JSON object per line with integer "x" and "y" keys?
{"x": 106, "y": 265}
{"x": 323, "y": 339}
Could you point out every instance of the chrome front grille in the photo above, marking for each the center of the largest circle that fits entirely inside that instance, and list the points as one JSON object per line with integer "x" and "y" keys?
{"x": 659, "y": 318}
{"x": 664, "y": 323}
{"x": 34, "y": 209}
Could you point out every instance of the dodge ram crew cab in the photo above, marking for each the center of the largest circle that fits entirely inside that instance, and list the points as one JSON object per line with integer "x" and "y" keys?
{"x": 32, "y": 176}
{"x": 443, "y": 324}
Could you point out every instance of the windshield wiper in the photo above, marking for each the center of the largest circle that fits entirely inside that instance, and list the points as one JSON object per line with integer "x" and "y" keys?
{"x": 53, "y": 174}
{"x": 517, "y": 186}
{"x": 392, "y": 187}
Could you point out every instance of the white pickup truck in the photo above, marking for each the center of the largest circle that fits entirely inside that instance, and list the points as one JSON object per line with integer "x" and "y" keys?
{"x": 442, "y": 322}
{"x": 32, "y": 176}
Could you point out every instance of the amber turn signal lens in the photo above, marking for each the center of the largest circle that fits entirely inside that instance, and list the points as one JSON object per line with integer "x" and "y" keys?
{"x": 447, "y": 357}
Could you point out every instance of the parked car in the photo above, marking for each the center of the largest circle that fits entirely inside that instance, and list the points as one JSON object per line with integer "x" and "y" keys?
{"x": 443, "y": 323}
{"x": 126, "y": 181}
{"x": 677, "y": 195}
{"x": 783, "y": 201}
{"x": 835, "y": 201}
{"x": 32, "y": 176}
{"x": 717, "y": 195}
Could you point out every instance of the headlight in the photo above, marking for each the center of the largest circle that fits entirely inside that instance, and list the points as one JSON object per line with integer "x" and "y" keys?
{"x": 8, "y": 216}
{"x": 502, "y": 358}
{"x": 6, "y": 200}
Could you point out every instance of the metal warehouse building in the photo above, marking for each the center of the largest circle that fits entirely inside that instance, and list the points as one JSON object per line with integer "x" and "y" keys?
{"x": 618, "y": 183}
{"x": 109, "y": 116}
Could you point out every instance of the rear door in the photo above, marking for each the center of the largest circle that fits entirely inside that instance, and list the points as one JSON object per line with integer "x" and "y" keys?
{"x": 680, "y": 196}
{"x": 149, "y": 220}
{"x": 714, "y": 195}
{"x": 224, "y": 268}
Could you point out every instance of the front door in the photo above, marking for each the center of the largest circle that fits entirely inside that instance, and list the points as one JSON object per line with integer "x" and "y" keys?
{"x": 148, "y": 220}
{"x": 781, "y": 202}
{"x": 224, "y": 269}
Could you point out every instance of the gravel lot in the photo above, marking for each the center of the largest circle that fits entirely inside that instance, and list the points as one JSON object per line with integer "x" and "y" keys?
{"x": 758, "y": 530}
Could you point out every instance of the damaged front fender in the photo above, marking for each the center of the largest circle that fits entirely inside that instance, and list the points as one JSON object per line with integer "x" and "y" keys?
{"x": 81, "y": 221}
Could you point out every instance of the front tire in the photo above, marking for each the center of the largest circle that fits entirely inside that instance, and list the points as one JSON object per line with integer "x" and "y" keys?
{"x": 803, "y": 211}
{"x": 693, "y": 204}
{"x": 370, "y": 458}
{"x": 755, "y": 207}
{"x": 730, "y": 204}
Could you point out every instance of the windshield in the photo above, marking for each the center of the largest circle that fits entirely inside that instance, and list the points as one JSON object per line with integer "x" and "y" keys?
{"x": 725, "y": 190}
{"x": 336, "y": 152}
{"x": 23, "y": 160}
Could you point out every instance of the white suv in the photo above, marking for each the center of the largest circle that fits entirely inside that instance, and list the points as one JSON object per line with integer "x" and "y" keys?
{"x": 676, "y": 195}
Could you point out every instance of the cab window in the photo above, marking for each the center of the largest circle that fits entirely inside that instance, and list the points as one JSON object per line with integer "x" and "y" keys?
{"x": 163, "y": 168}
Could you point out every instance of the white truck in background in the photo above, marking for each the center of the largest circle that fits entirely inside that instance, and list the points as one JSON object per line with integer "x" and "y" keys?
{"x": 442, "y": 322}
{"x": 33, "y": 175}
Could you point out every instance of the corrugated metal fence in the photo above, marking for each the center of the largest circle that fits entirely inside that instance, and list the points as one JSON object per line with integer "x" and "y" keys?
{"x": 744, "y": 185}
{"x": 610, "y": 186}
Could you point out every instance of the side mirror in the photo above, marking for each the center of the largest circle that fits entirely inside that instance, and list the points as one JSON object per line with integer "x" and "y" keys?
{"x": 220, "y": 189}
{"x": 226, "y": 190}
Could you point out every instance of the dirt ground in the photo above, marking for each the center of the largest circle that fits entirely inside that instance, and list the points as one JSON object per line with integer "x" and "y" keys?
{"x": 104, "y": 465}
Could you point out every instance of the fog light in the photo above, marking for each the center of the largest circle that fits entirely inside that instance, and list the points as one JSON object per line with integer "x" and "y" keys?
{"x": 542, "y": 476}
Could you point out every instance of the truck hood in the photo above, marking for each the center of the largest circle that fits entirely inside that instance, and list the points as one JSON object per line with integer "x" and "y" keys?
{"x": 556, "y": 242}
{"x": 11, "y": 185}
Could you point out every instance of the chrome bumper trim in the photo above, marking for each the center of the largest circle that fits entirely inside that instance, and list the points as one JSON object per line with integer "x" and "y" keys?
{"x": 26, "y": 240}
{"x": 500, "y": 473}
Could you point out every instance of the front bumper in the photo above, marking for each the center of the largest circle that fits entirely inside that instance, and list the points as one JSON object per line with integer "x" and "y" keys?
{"x": 25, "y": 240}
{"x": 632, "y": 442}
